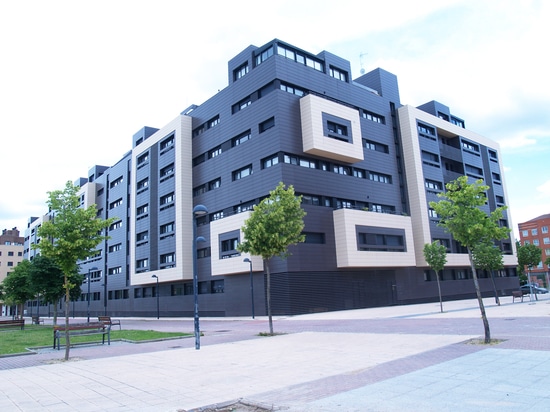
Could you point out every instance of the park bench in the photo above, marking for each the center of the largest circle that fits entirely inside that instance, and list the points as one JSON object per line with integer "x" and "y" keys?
{"x": 108, "y": 321}
{"x": 12, "y": 323}
{"x": 520, "y": 294}
{"x": 82, "y": 329}
{"x": 37, "y": 321}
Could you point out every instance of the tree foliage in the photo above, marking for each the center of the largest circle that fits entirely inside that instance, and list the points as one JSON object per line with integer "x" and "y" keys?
{"x": 528, "y": 256}
{"x": 436, "y": 256}
{"x": 17, "y": 287}
{"x": 489, "y": 257}
{"x": 461, "y": 215}
{"x": 274, "y": 224}
{"x": 71, "y": 235}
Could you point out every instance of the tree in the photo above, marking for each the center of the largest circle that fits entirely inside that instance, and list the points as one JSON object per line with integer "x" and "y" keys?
{"x": 436, "y": 256}
{"x": 528, "y": 256}
{"x": 17, "y": 287}
{"x": 489, "y": 257}
{"x": 72, "y": 234}
{"x": 274, "y": 225}
{"x": 47, "y": 279}
{"x": 461, "y": 215}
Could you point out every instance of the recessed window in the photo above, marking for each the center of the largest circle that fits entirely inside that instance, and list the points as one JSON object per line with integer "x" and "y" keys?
{"x": 426, "y": 130}
{"x": 373, "y": 117}
{"x": 266, "y": 125}
{"x": 167, "y": 228}
{"x": 242, "y": 173}
{"x": 215, "y": 152}
{"x": 338, "y": 74}
{"x": 116, "y": 203}
{"x": 142, "y": 184}
{"x": 240, "y": 139}
{"x": 115, "y": 248}
{"x": 116, "y": 182}
{"x": 379, "y": 177}
{"x": 240, "y": 71}
{"x": 167, "y": 199}
{"x": 375, "y": 146}
{"x": 167, "y": 172}
{"x": 167, "y": 143}
{"x": 143, "y": 159}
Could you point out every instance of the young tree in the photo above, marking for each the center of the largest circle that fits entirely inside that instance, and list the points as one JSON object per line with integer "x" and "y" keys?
{"x": 489, "y": 257}
{"x": 460, "y": 214}
{"x": 436, "y": 256}
{"x": 47, "y": 279}
{"x": 71, "y": 235}
{"x": 274, "y": 225}
{"x": 529, "y": 256}
{"x": 17, "y": 287}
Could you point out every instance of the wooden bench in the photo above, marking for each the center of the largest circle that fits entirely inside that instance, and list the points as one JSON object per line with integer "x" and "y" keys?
{"x": 12, "y": 323}
{"x": 82, "y": 329}
{"x": 37, "y": 321}
{"x": 519, "y": 294}
{"x": 108, "y": 321}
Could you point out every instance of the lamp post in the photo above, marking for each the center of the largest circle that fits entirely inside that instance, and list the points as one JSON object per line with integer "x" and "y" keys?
{"x": 157, "y": 293}
{"x": 89, "y": 277}
{"x": 198, "y": 211}
{"x": 247, "y": 260}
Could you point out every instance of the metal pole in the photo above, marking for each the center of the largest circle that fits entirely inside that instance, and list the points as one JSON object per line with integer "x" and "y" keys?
{"x": 89, "y": 270}
{"x": 251, "y": 285}
{"x": 157, "y": 293}
{"x": 198, "y": 211}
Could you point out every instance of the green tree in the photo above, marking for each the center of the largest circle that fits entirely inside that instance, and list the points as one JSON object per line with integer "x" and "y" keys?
{"x": 274, "y": 224}
{"x": 436, "y": 256}
{"x": 529, "y": 256}
{"x": 17, "y": 287}
{"x": 72, "y": 234}
{"x": 489, "y": 257}
{"x": 461, "y": 215}
{"x": 48, "y": 280}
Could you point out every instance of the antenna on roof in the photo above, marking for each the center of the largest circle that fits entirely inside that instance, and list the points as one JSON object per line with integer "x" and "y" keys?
{"x": 362, "y": 71}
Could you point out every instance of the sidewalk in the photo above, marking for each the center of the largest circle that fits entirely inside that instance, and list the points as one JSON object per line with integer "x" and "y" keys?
{"x": 311, "y": 371}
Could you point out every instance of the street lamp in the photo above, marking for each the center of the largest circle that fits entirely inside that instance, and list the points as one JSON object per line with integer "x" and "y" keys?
{"x": 89, "y": 277}
{"x": 198, "y": 211}
{"x": 157, "y": 293}
{"x": 247, "y": 260}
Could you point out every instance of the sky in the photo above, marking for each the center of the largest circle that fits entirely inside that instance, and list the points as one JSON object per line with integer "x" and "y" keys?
{"x": 79, "y": 78}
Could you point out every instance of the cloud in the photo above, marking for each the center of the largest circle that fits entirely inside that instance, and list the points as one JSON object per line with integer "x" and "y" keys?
{"x": 543, "y": 191}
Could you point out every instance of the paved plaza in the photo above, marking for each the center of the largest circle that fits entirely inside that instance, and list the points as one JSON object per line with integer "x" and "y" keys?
{"x": 402, "y": 358}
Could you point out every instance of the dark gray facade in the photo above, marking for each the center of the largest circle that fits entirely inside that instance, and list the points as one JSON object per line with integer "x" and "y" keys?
{"x": 365, "y": 174}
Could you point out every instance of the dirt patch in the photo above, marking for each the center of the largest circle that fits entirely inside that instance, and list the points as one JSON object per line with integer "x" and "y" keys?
{"x": 482, "y": 342}
{"x": 238, "y": 406}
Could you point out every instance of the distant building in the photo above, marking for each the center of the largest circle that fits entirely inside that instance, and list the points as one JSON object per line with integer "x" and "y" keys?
{"x": 366, "y": 167}
{"x": 11, "y": 253}
{"x": 535, "y": 232}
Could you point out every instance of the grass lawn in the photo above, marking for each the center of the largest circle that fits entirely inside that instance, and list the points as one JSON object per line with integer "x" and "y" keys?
{"x": 16, "y": 341}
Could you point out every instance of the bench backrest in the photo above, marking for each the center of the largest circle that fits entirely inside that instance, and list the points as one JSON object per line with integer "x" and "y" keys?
{"x": 12, "y": 322}
{"x": 81, "y": 326}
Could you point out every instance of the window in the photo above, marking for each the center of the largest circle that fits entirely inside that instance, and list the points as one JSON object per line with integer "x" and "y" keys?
{"x": 116, "y": 225}
{"x": 115, "y": 271}
{"x": 377, "y": 147}
{"x": 142, "y": 184}
{"x": 264, "y": 55}
{"x": 167, "y": 172}
{"x": 493, "y": 155}
{"x": 142, "y": 209}
{"x": 167, "y": 228}
{"x": 430, "y": 159}
{"x": 142, "y": 236}
{"x": 244, "y": 103}
{"x": 426, "y": 130}
{"x": 142, "y": 264}
{"x": 241, "y": 173}
{"x": 525, "y": 233}
{"x": 432, "y": 213}
{"x": 215, "y": 184}
{"x": 266, "y": 125}
{"x": 380, "y": 239}
{"x": 341, "y": 170}
{"x": 534, "y": 232}
{"x": 381, "y": 208}
{"x": 470, "y": 146}
{"x": 167, "y": 143}
{"x": 433, "y": 185}
{"x": 116, "y": 203}
{"x": 115, "y": 248}
{"x": 299, "y": 57}
{"x": 215, "y": 152}
{"x": 167, "y": 199}
{"x": 496, "y": 177}
{"x": 240, "y": 139}
{"x": 228, "y": 248}
{"x": 168, "y": 259}
{"x": 457, "y": 122}
{"x": 240, "y": 71}
{"x": 199, "y": 190}
{"x": 213, "y": 122}
{"x": 544, "y": 229}
{"x": 143, "y": 159}
{"x": 536, "y": 242}
{"x": 473, "y": 171}
{"x": 270, "y": 161}
{"x": 373, "y": 117}
{"x": 116, "y": 182}
{"x": 292, "y": 89}
{"x": 314, "y": 238}
{"x": 379, "y": 177}
{"x": 338, "y": 74}
{"x": 336, "y": 129}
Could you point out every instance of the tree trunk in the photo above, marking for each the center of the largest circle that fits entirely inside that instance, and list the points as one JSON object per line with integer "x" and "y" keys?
{"x": 268, "y": 295}
{"x": 439, "y": 290}
{"x": 497, "y": 300}
{"x": 480, "y": 300}
{"x": 67, "y": 303}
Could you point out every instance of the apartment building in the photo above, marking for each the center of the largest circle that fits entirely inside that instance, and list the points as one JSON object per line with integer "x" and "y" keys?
{"x": 535, "y": 232}
{"x": 11, "y": 253}
{"x": 365, "y": 165}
